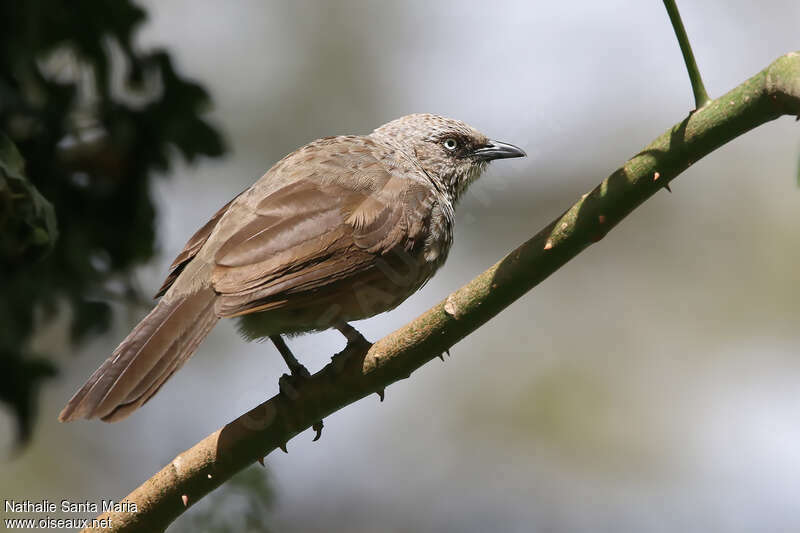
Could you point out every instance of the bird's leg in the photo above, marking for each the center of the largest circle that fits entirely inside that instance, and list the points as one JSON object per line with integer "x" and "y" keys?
{"x": 350, "y": 333}
{"x": 355, "y": 342}
{"x": 295, "y": 367}
{"x": 288, "y": 384}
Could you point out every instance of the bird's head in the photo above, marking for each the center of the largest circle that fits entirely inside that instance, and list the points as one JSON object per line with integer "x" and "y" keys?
{"x": 450, "y": 151}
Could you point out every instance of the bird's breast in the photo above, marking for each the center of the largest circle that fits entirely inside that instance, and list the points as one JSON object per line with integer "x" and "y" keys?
{"x": 440, "y": 234}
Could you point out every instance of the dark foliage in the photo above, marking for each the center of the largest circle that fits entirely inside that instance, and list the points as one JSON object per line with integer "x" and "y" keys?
{"x": 92, "y": 118}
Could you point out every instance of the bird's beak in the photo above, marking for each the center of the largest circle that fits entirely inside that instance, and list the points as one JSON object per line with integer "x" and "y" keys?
{"x": 498, "y": 150}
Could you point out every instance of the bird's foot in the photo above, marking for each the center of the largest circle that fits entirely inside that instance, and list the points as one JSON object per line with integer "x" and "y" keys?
{"x": 288, "y": 384}
{"x": 356, "y": 343}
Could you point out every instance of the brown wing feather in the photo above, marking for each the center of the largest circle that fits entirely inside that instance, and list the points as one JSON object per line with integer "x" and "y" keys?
{"x": 191, "y": 248}
{"x": 309, "y": 235}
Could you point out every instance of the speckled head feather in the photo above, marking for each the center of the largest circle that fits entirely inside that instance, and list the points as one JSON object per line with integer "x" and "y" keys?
{"x": 444, "y": 148}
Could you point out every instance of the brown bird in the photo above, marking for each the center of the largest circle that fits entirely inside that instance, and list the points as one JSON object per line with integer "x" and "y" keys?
{"x": 340, "y": 230}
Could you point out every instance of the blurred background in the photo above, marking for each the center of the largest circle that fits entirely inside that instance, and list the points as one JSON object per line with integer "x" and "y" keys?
{"x": 653, "y": 384}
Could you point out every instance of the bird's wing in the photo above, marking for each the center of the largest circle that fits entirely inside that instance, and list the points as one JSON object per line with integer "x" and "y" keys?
{"x": 191, "y": 248}
{"x": 312, "y": 233}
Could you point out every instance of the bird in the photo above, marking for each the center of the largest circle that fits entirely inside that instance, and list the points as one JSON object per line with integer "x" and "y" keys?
{"x": 341, "y": 229}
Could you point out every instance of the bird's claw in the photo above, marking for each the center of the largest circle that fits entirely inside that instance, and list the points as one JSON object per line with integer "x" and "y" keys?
{"x": 339, "y": 360}
{"x": 318, "y": 428}
{"x": 288, "y": 386}
{"x": 300, "y": 372}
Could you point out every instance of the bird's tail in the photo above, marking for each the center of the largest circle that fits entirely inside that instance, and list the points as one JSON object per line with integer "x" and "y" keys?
{"x": 149, "y": 355}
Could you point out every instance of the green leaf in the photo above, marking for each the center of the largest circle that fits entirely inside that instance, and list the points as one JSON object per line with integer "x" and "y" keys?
{"x": 11, "y": 162}
{"x": 28, "y": 227}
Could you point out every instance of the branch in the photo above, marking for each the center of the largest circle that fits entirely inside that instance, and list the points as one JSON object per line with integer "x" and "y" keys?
{"x": 362, "y": 370}
{"x": 700, "y": 95}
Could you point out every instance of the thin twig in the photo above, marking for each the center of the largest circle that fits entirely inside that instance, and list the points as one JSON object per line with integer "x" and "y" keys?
{"x": 700, "y": 95}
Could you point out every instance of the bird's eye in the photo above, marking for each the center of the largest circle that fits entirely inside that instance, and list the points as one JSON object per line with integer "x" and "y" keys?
{"x": 450, "y": 143}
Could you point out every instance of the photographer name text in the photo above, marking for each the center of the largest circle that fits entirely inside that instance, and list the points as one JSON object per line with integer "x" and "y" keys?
{"x": 68, "y": 506}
